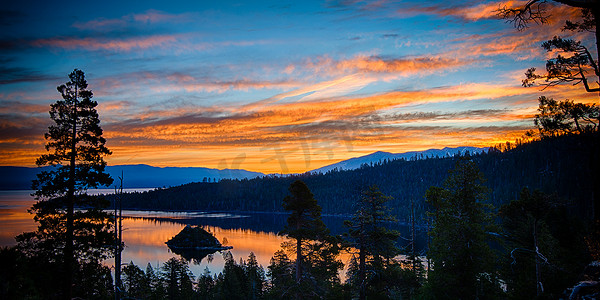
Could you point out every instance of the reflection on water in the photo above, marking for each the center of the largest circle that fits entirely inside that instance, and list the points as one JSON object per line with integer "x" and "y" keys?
{"x": 145, "y": 232}
{"x": 14, "y": 218}
{"x": 145, "y": 243}
{"x": 194, "y": 255}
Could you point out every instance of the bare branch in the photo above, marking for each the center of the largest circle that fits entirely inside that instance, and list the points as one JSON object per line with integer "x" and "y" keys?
{"x": 533, "y": 11}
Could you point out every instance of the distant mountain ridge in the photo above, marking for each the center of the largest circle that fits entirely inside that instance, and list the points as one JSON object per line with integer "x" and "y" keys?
{"x": 357, "y": 162}
{"x": 135, "y": 176}
{"x": 145, "y": 176}
{"x": 563, "y": 166}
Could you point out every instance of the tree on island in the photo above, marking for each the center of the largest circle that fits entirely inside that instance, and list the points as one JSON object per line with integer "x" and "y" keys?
{"x": 463, "y": 261}
{"x": 71, "y": 240}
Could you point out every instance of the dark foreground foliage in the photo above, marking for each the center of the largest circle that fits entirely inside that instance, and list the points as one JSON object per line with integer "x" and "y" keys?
{"x": 528, "y": 245}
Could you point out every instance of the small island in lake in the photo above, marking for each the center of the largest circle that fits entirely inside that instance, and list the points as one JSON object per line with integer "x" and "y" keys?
{"x": 194, "y": 244}
{"x": 195, "y": 238}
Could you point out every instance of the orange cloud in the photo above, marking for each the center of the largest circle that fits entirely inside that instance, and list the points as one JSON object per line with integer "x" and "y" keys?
{"x": 100, "y": 23}
{"x": 403, "y": 65}
{"x": 479, "y": 11}
{"x": 375, "y": 64}
{"x": 8, "y": 107}
{"x": 160, "y": 82}
{"x": 295, "y": 136}
{"x": 471, "y": 13}
{"x": 521, "y": 44}
{"x": 487, "y": 10}
{"x": 183, "y": 42}
{"x": 292, "y": 137}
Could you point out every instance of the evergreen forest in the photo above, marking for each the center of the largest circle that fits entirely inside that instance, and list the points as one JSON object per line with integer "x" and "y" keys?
{"x": 553, "y": 166}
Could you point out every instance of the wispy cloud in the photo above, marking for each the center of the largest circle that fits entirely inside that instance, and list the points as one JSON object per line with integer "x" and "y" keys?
{"x": 407, "y": 65}
{"x": 9, "y": 75}
{"x": 179, "y": 42}
{"x": 24, "y": 108}
{"x": 126, "y": 44}
{"x": 317, "y": 127}
{"x": 282, "y": 121}
{"x": 149, "y": 17}
{"x": 466, "y": 12}
{"x": 352, "y": 74}
{"x": 378, "y": 64}
{"x": 190, "y": 81}
{"x": 193, "y": 85}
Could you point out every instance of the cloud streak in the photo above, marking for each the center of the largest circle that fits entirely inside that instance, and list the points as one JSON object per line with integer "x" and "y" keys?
{"x": 408, "y": 65}
{"x": 320, "y": 128}
{"x": 465, "y": 12}
{"x": 127, "y": 44}
{"x": 11, "y": 75}
{"x": 280, "y": 122}
{"x": 151, "y": 16}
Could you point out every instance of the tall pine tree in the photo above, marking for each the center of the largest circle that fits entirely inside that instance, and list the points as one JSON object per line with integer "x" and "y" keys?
{"x": 367, "y": 232}
{"x": 463, "y": 261}
{"x": 316, "y": 264}
{"x": 304, "y": 223}
{"x": 67, "y": 237}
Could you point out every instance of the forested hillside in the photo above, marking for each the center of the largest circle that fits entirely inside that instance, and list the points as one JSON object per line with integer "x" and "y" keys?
{"x": 560, "y": 166}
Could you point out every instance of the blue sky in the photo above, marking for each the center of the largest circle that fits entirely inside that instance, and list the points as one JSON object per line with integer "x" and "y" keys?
{"x": 272, "y": 86}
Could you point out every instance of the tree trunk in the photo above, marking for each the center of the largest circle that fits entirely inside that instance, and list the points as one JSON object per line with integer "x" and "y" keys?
{"x": 596, "y": 189}
{"x": 362, "y": 266}
{"x": 412, "y": 237}
{"x": 299, "y": 259}
{"x": 69, "y": 253}
{"x": 538, "y": 272}
{"x": 595, "y": 165}
{"x": 118, "y": 240}
{"x": 596, "y": 14}
{"x": 68, "y": 284}
{"x": 117, "y": 250}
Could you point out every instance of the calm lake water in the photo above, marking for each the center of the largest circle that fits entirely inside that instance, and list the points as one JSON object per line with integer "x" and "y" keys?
{"x": 145, "y": 232}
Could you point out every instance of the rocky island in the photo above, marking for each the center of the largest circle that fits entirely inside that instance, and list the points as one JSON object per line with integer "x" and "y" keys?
{"x": 195, "y": 238}
{"x": 194, "y": 244}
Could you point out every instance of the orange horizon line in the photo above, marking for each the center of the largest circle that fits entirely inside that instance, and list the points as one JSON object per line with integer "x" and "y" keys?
{"x": 290, "y": 172}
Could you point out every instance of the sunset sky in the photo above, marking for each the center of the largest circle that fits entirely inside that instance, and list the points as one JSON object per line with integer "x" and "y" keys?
{"x": 272, "y": 86}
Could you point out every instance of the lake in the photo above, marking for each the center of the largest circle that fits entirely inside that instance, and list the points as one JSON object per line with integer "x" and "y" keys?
{"x": 145, "y": 232}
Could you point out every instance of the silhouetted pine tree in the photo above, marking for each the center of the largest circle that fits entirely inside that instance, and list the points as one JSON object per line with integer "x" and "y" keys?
{"x": 71, "y": 241}
{"x": 316, "y": 264}
{"x": 463, "y": 261}
{"x": 369, "y": 235}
